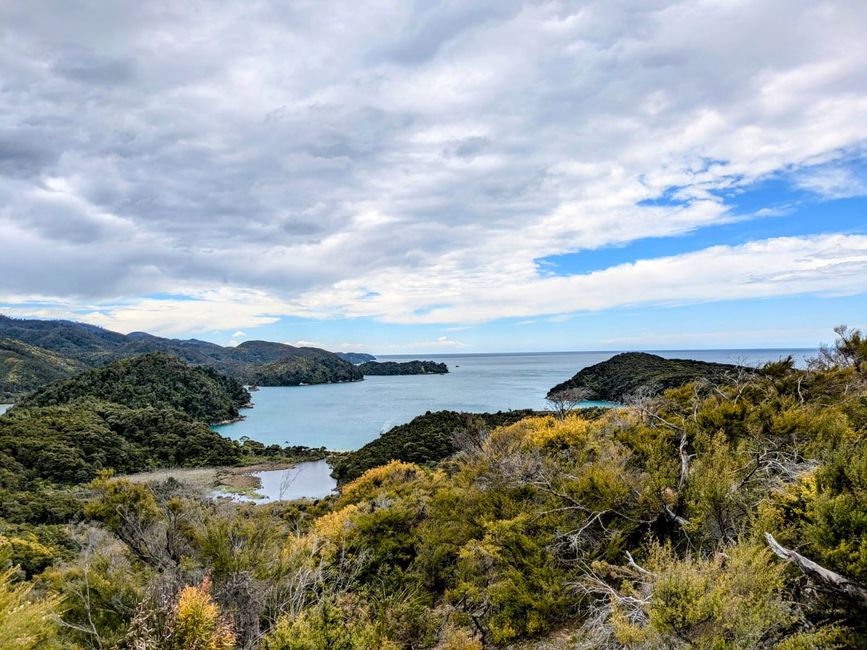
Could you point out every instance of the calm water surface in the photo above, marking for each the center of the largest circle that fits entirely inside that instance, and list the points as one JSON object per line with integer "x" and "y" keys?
{"x": 347, "y": 416}
{"x": 310, "y": 480}
{"x": 4, "y": 408}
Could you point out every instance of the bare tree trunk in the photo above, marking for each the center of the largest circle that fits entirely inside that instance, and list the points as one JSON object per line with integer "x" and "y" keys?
{"x": 829, "y": 578}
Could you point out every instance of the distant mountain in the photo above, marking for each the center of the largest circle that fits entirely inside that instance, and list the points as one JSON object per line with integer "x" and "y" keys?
{"x": 630, "y": 372}
{"x": 24, "y": 367}
{"x": 80, "y": 345}
{"x": 155, "y": 380}
{"x": 71, "y": 340}
{"x": 305, "y": 370}
{"x": 356, "y": 357}
{"x": 403, "y": 368}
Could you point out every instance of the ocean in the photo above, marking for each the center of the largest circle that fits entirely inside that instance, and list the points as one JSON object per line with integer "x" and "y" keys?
{"x": 347, "y": 416}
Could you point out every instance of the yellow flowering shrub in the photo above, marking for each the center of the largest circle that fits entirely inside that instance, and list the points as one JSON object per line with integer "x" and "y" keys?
{"x": 198, "y": 624}
{"x": 26, "y": 623}
{"x": 390, "y": 476}
{"x": 547, "y": 430}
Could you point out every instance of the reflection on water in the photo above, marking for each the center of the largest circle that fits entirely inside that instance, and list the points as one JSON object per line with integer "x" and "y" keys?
{"x": 311, "y": 480}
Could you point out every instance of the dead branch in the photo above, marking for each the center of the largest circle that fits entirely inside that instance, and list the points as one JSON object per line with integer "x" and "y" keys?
{"x": 637, "y": 567}
{"x": 833, "y": 580}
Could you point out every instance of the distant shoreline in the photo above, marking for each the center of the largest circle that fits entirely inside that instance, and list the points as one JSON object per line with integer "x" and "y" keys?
{"x": 446, "y": 355}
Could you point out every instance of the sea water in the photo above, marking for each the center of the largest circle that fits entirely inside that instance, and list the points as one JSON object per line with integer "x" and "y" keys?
{"x": 347, "y": 416}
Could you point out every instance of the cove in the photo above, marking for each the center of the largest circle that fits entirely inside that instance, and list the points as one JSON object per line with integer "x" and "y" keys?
{"x": 344, "y": 417}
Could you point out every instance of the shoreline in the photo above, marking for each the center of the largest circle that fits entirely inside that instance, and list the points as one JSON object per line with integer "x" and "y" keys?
{"x": 220, "y": 482}
{"x": 240, "y": 418}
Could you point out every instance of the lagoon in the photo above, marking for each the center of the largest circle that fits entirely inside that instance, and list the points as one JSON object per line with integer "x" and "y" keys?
{"x": 309, "y": 480}
{"x": 347, "y": 416}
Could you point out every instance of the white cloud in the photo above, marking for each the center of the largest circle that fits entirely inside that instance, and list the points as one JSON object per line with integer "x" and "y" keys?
{"x": 826, "y": 265}
{"x": 833, "y": 182}
{"x": 439, "y": 344}
{"x": 334, "y": 347}
{"x": 715, "y": 339}
{"x": 411, "y": 163}
{"x": 823, "y": 265}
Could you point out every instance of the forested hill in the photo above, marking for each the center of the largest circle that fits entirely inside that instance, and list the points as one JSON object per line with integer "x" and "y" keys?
{"x": 403, "y": 368}
{"x": 356, "y": 357}
{"x": 305, "y": 370}
{"x": 425, "y": 439}
{"x": 26, "y": 367}
{"x": 632, "y": 372}
{"x": 60, "y": 348}
{"x": 727, "y": 515}
{"x": 157, "y": 380}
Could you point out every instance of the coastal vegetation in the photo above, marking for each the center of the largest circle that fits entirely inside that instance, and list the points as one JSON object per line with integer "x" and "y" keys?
{"x": 298, "y": 371}
{"x": 403, "y": 368}
{"x": 722, "y": 513}
{"x": 156, "y": 381}
{"x": 638, "y": 373}
{"x": 146, "y": 412}
{"x": 425, "y": 439}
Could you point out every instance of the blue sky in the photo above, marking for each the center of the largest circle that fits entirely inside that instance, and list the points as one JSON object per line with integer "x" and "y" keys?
{"x": 438, "y": 176}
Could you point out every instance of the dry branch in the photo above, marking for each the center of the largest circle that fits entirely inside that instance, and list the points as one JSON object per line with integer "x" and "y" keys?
{"x": 829, "y": 578}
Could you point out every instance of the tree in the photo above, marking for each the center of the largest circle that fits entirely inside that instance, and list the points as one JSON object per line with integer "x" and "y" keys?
{"x": 565, "y": 401}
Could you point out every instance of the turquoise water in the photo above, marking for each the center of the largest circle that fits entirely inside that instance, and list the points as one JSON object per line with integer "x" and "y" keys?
{"x": 4, "y": 408}
{"x": 347, "y": 416}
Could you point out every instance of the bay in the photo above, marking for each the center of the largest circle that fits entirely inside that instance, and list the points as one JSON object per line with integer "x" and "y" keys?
{"x": 347, "y": 416}
{"x": 4, "y": 408}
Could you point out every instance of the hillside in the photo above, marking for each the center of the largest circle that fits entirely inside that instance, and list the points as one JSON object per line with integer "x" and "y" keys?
{"x": 69, "y": 443}
{"x": 77, "y": 341}
{"x": 24, "y": 367}
{"x": 403, "y": 368}
{"x": 425, "y": 439}
{"x": 80, "y": 345}
{"x": 632, "y": 372}
{"x": 356, "y": 357}
{"x": 712, "y": 516}
{"x": 305, "y": 370}
{"x": 156, "y": 380}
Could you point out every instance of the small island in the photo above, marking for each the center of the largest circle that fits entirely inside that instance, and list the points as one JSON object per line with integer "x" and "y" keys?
{"x": 630, "y": 373}
{"x": 403, "y": 368}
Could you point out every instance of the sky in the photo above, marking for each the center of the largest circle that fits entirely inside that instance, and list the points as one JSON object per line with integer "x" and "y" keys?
{"x": 397, "y": 176}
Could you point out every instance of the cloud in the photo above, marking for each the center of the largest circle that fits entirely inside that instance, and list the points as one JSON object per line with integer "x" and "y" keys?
{"x": 335, "y": 347}
{"x": 411, "y": 161}
{"x": 716, "y": 339}
{"x": 833, "y": 182}
{"x": 307, "y": 344}
{"x": 824, "y": 265}
{"x": 831, "y": 265}
{"x": 439, "y": 344}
